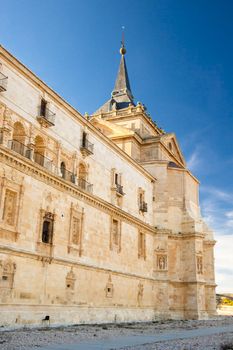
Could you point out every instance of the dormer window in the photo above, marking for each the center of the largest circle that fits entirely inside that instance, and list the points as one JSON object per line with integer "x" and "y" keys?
{"x": 46, "y": 117}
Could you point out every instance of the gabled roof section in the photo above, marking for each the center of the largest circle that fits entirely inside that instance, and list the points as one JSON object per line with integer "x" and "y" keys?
{"x": 171, "y": 143}
{"x": 121, "y": 96}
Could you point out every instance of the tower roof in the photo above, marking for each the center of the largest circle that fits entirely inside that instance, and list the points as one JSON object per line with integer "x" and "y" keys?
{"x": 122, "y": 85}
{"x": 121, "y": 96}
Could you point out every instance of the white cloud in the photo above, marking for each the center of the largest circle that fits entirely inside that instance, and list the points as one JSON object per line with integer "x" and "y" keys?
{"x": 224, "y": 263}
{"x": 217, "y": 208}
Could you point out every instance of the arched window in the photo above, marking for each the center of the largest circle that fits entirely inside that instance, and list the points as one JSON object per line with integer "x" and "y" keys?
{"x": 18, "y": 139}
{"x": 82, "y": 172}
{"x": 63, "y": 170}
{"x": 39, "y": 150}
{"x": 82, "y": 176}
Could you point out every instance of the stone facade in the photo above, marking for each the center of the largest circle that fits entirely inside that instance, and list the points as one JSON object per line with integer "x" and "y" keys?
{"x": 99, "y": 216}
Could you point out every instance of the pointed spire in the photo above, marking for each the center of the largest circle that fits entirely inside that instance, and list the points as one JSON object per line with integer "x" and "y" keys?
{"x": 122, "y": 85}
{"x": 121, "y": 96}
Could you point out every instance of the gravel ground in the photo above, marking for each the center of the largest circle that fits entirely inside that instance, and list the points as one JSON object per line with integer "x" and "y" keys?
{"x": 214, "y": 342}
{"x": 34, "y": 338}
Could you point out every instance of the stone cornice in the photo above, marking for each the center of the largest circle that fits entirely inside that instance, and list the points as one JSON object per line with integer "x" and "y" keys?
{"x": 210, "y": 242}
{"x": 75, "y": 263}
{"x": 182, "y": 236}
{"x": 35, "y": 170}
{"x": 129, "y": 112}
{"x": 71, "y": 110}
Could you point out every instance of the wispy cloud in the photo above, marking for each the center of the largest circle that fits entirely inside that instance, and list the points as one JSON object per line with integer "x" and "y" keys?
{"x": 194, "y": 161}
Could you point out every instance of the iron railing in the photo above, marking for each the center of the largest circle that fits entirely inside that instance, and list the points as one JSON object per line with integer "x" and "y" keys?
{"x": 3, "y": 82}
{"x": 88, "y": 146}
{"x": 20, "y": 148}
{"x": 119, "y": 189}
{"x": 47, "y": 115}
{"x": 47, "y": 163}
{"x": 143, "y": 207}
{"x": 44, "y": 161}
{"x": 67, "y": 175}
{"x": 84, "y": 185}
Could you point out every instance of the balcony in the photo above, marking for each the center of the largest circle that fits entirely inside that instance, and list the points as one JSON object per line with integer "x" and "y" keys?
{"x": 119, "y": 190}
{"x": 20, "y": 148}
{"x": 3, "y": 82}
{"x": 84, "y": 185}
{"x": 86, "y": 147}
{"x": 68, "y": 175}
{"x": 47, "y": 163}
{"x": 45, "y": 117}
{"x": 44, "y": 162}
{"x": 143, "y": 207}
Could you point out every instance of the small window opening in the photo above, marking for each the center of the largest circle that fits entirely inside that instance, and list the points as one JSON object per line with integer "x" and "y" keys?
{"x": 43, "y": 106}
{"x": 116, "y": 179}
{"x": 5, "y": 278}
{"x": 46, "y": 231}
{"x": 141, "y": 198}
{"x": 63, "y": 170}
{"x": 84, "y": 139}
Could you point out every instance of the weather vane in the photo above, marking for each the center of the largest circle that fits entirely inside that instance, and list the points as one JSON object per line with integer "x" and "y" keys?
{"x": 123, "y": 50}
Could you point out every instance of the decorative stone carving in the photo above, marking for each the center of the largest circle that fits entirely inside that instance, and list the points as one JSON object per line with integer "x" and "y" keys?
{"x": 199, "y": 265}
{"x": 161, "y": 262}
{"x": 70, "y": 280}
{"x": 11, "y": 194}
{"x": 140, "y": 293}
{"x": 141, "y": 245}
{"x": 75, "y": 230}
{"x": 7, "y": 273}
{"x": 109, "y": 287}
{"x": 9, "y": 209}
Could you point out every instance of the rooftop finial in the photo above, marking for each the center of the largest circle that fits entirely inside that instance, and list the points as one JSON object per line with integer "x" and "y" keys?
{"x": 123, "y": 49}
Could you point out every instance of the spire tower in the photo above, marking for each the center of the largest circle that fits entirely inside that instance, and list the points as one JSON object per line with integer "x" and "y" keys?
{"x": 121, "y": 96}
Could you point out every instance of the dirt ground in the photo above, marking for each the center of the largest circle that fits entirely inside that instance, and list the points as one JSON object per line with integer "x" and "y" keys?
{"x": 35, "y": 338}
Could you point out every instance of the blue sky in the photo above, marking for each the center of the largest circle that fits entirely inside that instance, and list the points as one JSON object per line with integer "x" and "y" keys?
{"x": 180, "y": 64}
